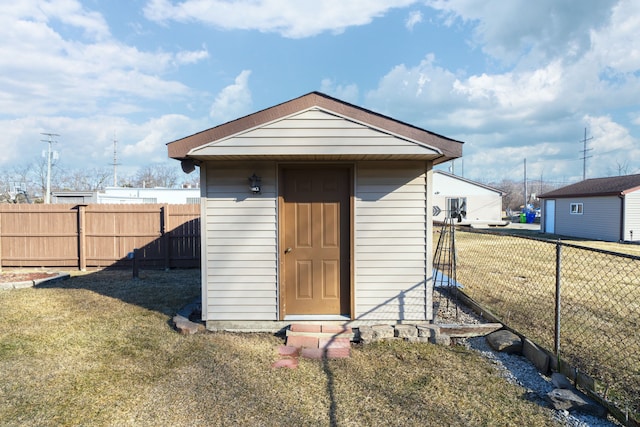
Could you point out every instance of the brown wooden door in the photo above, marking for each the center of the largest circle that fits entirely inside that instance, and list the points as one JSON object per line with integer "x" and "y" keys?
{"x": 315, "y": 241}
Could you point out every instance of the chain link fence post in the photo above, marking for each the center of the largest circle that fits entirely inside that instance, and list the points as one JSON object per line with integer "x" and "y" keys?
{"x": 556, "y": 337}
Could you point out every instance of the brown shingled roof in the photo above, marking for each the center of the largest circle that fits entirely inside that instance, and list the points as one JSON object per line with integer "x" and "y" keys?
{"x": 611, "y": 186}
{"x": 450, "y": 148}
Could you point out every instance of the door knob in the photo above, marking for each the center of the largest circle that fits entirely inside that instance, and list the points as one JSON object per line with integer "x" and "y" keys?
{"x": 286, "y": 251}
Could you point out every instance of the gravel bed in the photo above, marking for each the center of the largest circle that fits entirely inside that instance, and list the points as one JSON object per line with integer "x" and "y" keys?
{"x": 20, "y": 276}
{"x": 514, "y": 368}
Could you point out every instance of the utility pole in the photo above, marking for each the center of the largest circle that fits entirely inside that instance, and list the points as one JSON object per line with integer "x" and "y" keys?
{"x": 115, "y": 160}
{"x": 525, "y": 185}
{"x": 584, "y": 154}
{"x": 49, "y": 140}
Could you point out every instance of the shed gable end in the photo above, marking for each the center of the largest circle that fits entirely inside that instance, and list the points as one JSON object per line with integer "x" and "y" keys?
{"x": 314, "y": 132}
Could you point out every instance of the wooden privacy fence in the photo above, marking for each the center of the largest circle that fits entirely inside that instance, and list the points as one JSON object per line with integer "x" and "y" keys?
{"x": 99, "y": 235}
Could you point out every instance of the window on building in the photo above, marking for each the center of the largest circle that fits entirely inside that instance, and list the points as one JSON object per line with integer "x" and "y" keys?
{"x": 456, "y": 206}
{"x": 576, "y": 209}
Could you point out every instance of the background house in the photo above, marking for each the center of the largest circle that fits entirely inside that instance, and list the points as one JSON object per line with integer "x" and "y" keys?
{"x": 483, "y": 204}
{"x": 600, "y": 208}
{"x": 314, "y": 209}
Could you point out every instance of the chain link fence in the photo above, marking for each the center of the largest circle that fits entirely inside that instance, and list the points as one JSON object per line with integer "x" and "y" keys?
{"x": 582, "y": 304}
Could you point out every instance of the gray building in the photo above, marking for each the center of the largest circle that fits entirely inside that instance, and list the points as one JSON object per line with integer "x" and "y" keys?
{"x": 599, "y": 208}
{"x": 78, "y": 197}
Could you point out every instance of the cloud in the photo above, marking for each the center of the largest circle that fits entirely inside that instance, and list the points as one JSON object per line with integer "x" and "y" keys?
{"x": 612, "y": 149}
{"x": 234, "y": 100}
{"x": 293, "y": 19}
{"x": 617, "y": 46}
{"x": 524, "y": 96}
{"x": 608, "y": 136}
{"x": 69, "y": 12}
{"x": 191, "y": 57}
{"x": 50, "y": 73}
{"x": 551, "y": 68}
{"x": 64, "y": 72}
{"x": 348, "y": 93}
{"x": 414, "y": 18}
{"x": 413, "y": 92}
{"x": 564, "y": 65}
{"x": 542, "y": 29}
{"x": 148, "y": 139}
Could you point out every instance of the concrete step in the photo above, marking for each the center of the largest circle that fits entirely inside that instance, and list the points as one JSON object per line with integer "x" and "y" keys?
{"x": 349, "y": 335}
{"x": 317, "y": 341}
{"x": 320, "y": 331}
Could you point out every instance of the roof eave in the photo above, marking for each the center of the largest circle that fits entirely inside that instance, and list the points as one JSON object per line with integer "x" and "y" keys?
{"x": 436, "y": 158}
{"x": 568, "y": 196}
{"x": 479, "y": 184}
{"x": 450, "y": 148}
{"x": 630, "y": 190}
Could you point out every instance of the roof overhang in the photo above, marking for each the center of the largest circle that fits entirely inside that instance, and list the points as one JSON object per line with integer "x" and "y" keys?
{"x": 229, "y": 141}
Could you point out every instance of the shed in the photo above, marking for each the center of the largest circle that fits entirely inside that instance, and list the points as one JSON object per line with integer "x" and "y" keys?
{"x": 482, "y": 203}
{"x": 315, "y": 209}
{"x": 599, "y": 208}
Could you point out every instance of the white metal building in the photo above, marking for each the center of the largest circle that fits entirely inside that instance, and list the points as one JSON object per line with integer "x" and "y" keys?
{"x": 149, "y": 195}
{"x": 482, "y": 204}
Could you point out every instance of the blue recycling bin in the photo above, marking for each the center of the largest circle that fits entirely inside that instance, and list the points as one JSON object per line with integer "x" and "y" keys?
{"x": 531, "y": 216}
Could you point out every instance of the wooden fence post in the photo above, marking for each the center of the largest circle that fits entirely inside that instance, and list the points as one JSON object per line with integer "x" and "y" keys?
{"x": 166, "y": 244}
{"x": 82, "y": 238}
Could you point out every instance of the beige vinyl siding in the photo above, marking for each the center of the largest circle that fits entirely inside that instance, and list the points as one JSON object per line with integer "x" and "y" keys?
{"x": 600, "y": 219}
{"x": 314, "y": 132}
{"x": 390, "y": 246}
{"x": 632, "y": 216}
{"x": 241, "y": 255}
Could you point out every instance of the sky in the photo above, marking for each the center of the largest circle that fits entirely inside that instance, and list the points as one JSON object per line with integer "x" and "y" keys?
{"x": 513, "y": 79}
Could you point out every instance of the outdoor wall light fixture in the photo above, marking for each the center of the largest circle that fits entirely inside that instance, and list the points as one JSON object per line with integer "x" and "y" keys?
{"x": 254, "y": 184}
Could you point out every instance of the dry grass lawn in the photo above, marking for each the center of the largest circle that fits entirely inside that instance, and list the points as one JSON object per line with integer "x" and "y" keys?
{"x": 600, "y": 301}
{"x": 98, "y": 349}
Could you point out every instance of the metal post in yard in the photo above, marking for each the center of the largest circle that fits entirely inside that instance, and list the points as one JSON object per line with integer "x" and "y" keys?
{"x": 134, "y": 258}
{"x": 165, "y": 236}
{"x": 556, "y": 338}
